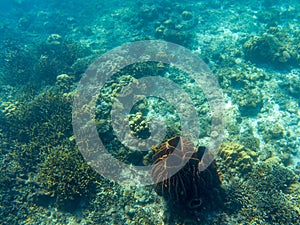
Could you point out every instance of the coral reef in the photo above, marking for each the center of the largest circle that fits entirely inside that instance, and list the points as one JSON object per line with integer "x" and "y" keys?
{"x": 291, "y": 83}
{"x": 64, "y": 82}
{"x": 177, "y": 31}
{"x": 139, "y": 125}
{"x": 273, "y": 130}
{"x": 18, "y": 66}
{"x": 65, "y": 176}
{"x": 253, "y": 49}
{"x": 51, "y": 51}
{"x": 24, "y": 64}
{"x": 236, "y": 158}
{"x": 266, "y": 189}
{"x": 273, "y": 48}
{"x": 40, "y": 132}
{"x": 250, "y": 101}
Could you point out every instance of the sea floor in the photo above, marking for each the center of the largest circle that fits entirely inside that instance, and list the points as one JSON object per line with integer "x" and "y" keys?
{"x": 253, "y": 50}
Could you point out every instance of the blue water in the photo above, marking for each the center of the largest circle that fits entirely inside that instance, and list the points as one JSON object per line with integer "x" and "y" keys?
{"x": 249, "y": 48}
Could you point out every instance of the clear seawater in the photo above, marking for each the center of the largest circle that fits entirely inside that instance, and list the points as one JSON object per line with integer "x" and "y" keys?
{"x": 251, "y": 49}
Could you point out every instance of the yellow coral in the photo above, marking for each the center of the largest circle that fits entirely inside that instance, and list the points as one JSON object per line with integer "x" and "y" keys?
{"x": 236, "y": 157}
{"x": 9, "y": 108}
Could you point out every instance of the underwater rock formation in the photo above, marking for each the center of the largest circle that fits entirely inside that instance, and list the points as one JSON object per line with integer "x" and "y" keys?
{"x": 250, "y": 100}
{"x": 262, "y": 48}
{"x": 187, "y": 188}
{"x": 272, "y": 48}
{"x": 177, "y": 30}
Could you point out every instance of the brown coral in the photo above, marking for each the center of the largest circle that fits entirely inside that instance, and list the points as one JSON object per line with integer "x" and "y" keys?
{"x": 176, "y": 175}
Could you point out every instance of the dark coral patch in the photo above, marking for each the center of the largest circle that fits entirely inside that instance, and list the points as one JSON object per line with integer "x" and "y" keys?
{"x": 177, "y": 178}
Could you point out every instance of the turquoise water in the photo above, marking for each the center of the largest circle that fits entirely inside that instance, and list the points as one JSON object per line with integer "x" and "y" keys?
{"x": 248, "y": 55}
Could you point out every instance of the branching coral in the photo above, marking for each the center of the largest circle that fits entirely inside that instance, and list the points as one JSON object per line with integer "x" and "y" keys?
{"x": 65, "y": 175}
{"x": 262, "y": 198}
